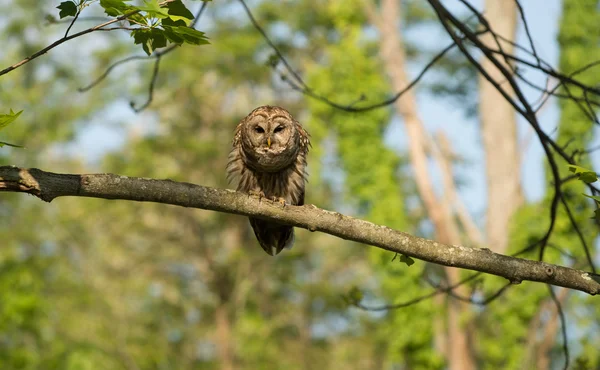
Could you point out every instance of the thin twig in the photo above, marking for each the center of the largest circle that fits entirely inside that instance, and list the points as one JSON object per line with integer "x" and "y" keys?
{"x": 480, "y": 302}
{"x": 419, "y": 299}
{"x": 271, "y": 44}
{"x": 526, "y": 27}
{"x": 72, "y": 22}
{"x": 579, "y": 235}
{"x": 67, "y": 38}
{"x": 80, "y": 19}
{"x": 150, "y": 89}
{"x": 157, "y": 55}
{"x": 109, "y": 69}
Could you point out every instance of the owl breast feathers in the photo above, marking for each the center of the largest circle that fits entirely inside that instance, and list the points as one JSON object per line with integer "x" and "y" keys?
{"x": 268, "y": 159}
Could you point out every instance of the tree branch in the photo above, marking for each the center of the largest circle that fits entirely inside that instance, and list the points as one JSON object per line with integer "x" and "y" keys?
{"x": 66, "y": 38}
{"x": 48, "y": 186}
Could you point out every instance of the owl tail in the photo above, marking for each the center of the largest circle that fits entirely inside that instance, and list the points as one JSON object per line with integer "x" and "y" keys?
{"x": 271, "y": 236}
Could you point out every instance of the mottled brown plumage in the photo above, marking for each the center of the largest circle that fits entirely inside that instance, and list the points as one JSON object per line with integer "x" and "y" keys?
{"x": 268, "y": 159}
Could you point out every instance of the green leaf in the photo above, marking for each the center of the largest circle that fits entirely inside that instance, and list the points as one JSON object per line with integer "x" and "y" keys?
{"x": 171, "y": 23}
{"x": 273, "y": 60}
{"x": 7, "y": 119}
{"x": 355, "y": 295}
{"x": 115, "y": 8}
{"x": 178, "y": 12}
{"x": 67, "y": 9}
{"x": 406, "y": 259}
{"x": 150, "y": 39}
{"x": 3, "y": 143}
{"x": 597, "y": 215}
{"x": 584, "y": 174}
{"x": 596, "y": 198}
{"x": 185, "y": 34}
{"x": 172, "y": 36}
{"x": 153, "y": 9}
{"x": 50, "y": 18}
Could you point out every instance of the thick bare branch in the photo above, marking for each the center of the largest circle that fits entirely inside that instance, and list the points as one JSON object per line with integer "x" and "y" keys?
{"x": 48, "y": 186}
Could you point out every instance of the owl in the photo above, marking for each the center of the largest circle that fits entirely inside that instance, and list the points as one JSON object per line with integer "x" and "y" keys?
{"x": 268, "y": 159}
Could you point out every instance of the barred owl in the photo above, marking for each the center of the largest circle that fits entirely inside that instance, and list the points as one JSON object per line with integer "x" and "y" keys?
{"x": 268, "y": 159}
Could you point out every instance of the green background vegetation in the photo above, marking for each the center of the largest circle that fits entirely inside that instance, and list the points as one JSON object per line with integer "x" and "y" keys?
{"x": 94, "y": 284}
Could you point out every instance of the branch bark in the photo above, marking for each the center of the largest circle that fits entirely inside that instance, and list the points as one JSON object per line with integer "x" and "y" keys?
{"x": 49, "y": 186}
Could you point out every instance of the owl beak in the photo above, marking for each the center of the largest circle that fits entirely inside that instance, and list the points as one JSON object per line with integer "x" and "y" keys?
{"x": 269, "y": 142}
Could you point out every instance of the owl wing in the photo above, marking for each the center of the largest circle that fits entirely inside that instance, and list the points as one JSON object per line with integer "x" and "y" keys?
{"x": 301, "y": 160}
{"x": 304, "y": 139}
{"x": 235, "y": 163}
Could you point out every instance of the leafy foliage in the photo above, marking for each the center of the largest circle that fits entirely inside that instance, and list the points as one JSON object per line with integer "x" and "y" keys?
{"x": 67, "y": 9}
{"x": 5, "y": 120}
{"x": 159, "y": 22}
{"x": 588, "y": 177}
{"x": 584, "y": 174}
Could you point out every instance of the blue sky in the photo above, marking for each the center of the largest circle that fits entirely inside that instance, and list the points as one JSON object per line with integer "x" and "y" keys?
{"x": 543, "y": 17}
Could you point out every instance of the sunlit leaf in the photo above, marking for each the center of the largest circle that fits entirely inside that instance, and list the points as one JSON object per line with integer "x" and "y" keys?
{"x": 584, "y": 174}
{"x": 115, "y": 8}
{"x": 7, "y": 119}
{"x": 152, "y": 7}
{"x": 596, "y": 198}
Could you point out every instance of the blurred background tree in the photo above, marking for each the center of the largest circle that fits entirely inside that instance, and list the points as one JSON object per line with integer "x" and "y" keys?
{"x": 92, "y": 284}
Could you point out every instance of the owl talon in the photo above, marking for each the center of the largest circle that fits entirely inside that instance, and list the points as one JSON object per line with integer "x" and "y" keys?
{"x": 254, "y": 193}
{"x": 280, "y": 201}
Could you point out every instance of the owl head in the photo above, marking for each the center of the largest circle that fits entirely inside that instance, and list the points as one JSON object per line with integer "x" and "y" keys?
{"x": 270, "y": 139}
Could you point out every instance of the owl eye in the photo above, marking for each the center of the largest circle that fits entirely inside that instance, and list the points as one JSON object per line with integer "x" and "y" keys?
{"x": 259, "y": 129}
{"x": 278, "y": 129}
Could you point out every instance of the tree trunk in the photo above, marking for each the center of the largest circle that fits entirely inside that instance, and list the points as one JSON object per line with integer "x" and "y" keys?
{"x": 224, "y": 337}
{"x": 460, "y": 356}
{"x": 499, "y": 131}
{"x": 223, "y": 283}
{"x": 551, "y": 327}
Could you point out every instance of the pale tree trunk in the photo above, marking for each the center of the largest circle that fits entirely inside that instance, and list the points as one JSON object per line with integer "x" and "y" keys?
{"x": 387, "y": 20}
{"x": 222, "y": 280}
{"x": 499, "y": 131}
{"x": 439, "y": 329}
{"x": 551, "y": 326}
{"x": 224, "y": 284}
{"x": 224, "y": 337}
